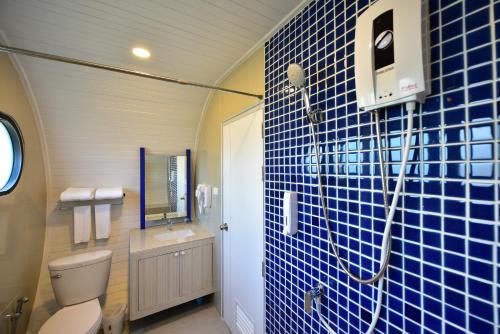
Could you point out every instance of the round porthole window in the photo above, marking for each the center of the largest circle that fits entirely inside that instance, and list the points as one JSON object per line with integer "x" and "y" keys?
{"x": 11, "y": 154}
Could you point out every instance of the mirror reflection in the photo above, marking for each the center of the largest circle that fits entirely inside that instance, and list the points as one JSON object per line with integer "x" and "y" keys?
{"x": 166, "y": 186}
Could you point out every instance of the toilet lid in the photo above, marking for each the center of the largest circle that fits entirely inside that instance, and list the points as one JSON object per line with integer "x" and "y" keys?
{"x": 84, "y": 318}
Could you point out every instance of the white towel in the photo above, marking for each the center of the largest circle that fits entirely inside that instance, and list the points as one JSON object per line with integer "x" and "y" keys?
{"x": 200, "y": 197}
{"x": 109, "y": 193}
{"x": 102, "y": 221}
{"x": 77, "y": 194}
{"x": 81, "y": 223}
{"x": 207, "y": 195}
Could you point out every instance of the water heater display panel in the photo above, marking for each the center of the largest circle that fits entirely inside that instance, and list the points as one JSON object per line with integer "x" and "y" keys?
{"x": 383, "y": 40}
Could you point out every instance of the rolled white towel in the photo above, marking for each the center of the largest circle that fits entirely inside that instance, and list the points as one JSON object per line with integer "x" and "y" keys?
{"x": 77, "y": 194}
{"x": 109, "y": 193}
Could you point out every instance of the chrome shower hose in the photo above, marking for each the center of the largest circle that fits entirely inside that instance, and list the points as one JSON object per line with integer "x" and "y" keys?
{"x": 389, "y": 213}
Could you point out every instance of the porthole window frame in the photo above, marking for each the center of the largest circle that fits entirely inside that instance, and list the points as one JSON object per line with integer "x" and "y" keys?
{"x": 16, "y": 138}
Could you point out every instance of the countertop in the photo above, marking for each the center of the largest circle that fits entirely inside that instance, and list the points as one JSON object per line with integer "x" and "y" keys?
{"x": 161, "y": 236}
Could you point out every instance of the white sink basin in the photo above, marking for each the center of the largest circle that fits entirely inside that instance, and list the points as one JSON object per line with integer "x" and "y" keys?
{"x": 169, "y": 235}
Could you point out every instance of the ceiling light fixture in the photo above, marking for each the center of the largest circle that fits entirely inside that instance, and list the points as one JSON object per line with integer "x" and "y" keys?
{"x": 141, "y": 52}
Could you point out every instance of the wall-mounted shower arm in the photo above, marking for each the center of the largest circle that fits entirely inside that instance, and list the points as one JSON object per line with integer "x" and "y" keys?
{"x": 47, "y": 56}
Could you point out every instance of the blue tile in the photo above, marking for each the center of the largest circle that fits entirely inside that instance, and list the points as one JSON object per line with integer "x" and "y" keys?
{"x": 481, "y": 269}
{"x": 478, "y": 37}
{"x": 455, "y": 152}
{"x": 481, "y": 151}
{"x": 453, "y": 64}
{"x": 454, "y": 189}
{"x": 482, "y": 211}
{"x": 483, "y": 231}
{"x": 481, "y": 170}
{"x": 481, "y": 113}
{"x": 477, "y": 19}
{"x": 481, "y": 93}
{"x": 454, "y": 117}
{"x": 479, "y": 55}
{"x": 480, "y": 250}
{"x": 454, "y": 226}
{"x": 451, "y": 13}
{"x": 481, "y": 132}
{"x": 455, "y": 170}
{"x": 454, "y": 135}
{"x": 480, "y": 326}
{"x": 432, "y": 137}
{"x": 454, "y": 99}
{"x": 481, "y": 309}
{"x": 452, "y": 30}
{"x": 455, "y": 316}
{"x": 453, "y": 47}
{"x": 482, "y": 191}
{"x": 476, "y": 4}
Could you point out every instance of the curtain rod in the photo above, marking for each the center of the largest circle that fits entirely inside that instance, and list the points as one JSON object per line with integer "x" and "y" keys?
{"x": 36, "y": 54}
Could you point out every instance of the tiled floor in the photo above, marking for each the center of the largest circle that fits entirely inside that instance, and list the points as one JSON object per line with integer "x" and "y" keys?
{"x": 184, "y": 319}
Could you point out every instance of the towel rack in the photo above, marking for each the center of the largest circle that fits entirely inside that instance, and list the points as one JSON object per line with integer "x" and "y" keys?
{"x": 71, "y": 204}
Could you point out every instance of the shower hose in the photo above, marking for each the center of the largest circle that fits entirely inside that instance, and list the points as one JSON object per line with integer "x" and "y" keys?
{"x": 389, "y": 213}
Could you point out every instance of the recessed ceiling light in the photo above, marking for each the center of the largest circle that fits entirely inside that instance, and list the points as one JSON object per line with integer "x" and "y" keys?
{"x": 141, "y": 52}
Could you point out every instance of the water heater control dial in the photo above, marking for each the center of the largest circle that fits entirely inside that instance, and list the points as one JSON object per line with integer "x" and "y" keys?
{"x": 384, "y": 40}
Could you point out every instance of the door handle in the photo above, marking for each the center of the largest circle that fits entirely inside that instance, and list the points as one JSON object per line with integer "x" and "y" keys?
{"x": 223, "y": 227}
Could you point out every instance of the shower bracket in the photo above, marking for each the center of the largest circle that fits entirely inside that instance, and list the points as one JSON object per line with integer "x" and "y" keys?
{"x": 315, "y": 116}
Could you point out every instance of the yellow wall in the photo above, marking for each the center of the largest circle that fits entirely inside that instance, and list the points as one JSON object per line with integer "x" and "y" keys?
{"x": 22, "y": 212}
{"x": 249, "y": 77}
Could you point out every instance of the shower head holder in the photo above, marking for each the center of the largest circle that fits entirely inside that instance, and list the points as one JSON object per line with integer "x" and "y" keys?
{"x": 315, "y": 116}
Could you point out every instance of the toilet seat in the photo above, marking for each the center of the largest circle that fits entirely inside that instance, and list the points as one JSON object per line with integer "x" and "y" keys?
{"x": 84, "y": 318}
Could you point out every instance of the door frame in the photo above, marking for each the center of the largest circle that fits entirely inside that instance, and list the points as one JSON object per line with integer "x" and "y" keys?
{"x": 258, "y": 107}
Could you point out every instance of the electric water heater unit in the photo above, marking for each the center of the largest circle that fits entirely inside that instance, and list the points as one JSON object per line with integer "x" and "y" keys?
{"x": 392, "y": 56}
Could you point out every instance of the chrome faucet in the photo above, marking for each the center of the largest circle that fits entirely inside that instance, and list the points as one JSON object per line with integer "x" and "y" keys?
{"x": 169, "y": 224}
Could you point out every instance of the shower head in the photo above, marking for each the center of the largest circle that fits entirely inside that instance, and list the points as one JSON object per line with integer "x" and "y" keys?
{"x": 296, "y": 75}
{"x": 297, "y": 78}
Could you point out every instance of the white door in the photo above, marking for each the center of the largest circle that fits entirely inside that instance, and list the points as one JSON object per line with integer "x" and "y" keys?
{"x": 243, "y": 241}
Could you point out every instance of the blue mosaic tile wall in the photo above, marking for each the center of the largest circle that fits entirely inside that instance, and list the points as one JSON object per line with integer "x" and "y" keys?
{"x": 443, "y": 276}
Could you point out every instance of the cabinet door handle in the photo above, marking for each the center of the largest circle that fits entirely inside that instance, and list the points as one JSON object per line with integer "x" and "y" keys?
{"x": 176, "y": 254}
{"x": 183, "y": 253}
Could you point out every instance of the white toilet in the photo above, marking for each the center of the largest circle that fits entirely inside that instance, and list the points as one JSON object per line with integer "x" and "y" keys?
{"x": 78, "y": 281}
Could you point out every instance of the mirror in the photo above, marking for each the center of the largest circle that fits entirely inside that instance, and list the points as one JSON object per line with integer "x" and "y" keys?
{"x": 166, "y": 187}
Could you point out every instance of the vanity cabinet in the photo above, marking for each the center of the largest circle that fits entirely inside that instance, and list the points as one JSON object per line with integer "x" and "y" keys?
{"x": 166, "y": 277}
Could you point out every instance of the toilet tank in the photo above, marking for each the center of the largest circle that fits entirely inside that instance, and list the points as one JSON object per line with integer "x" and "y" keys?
{"x": 79, "y": 278}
